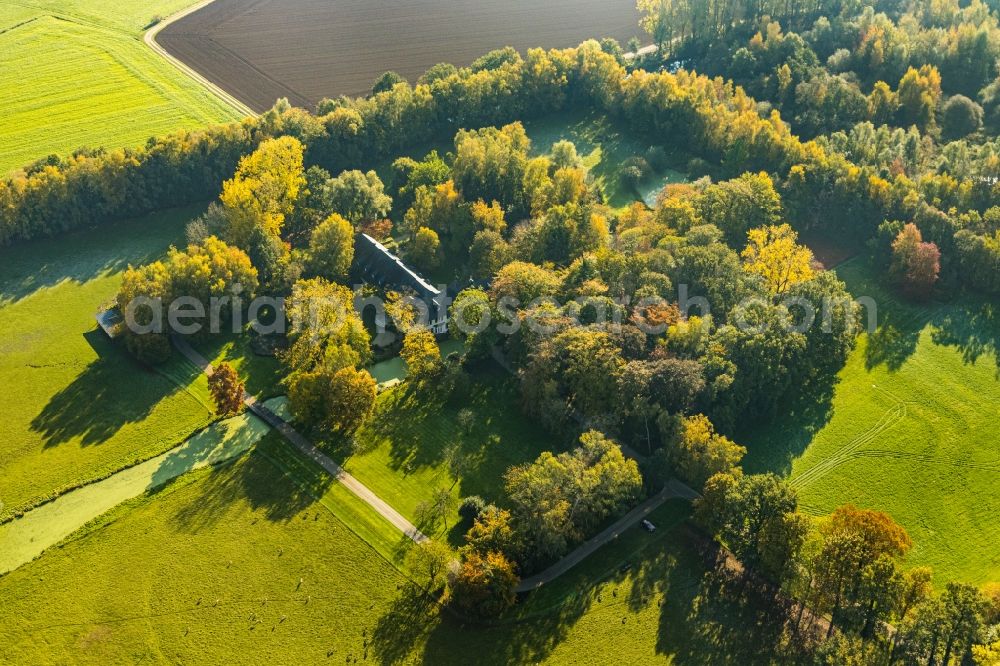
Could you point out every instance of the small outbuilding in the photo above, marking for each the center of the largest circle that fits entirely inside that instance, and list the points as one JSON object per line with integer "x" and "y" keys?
{"x": 111, "y": 321}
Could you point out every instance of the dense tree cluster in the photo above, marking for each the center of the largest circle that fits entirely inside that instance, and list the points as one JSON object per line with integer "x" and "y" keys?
{"x": 655, "y": 327}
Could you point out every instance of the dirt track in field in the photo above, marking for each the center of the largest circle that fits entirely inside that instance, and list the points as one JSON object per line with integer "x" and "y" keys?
{"x": 305, "y": 50}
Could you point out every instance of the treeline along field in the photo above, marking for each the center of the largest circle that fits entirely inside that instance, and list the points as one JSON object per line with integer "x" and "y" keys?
{"x": 307, "y": 50}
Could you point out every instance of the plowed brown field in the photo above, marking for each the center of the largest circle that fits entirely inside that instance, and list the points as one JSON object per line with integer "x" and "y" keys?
{"x": 305, "y": 50}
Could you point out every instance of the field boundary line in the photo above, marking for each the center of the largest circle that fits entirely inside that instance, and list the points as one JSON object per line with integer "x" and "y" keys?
{"x": 150, "y": 39}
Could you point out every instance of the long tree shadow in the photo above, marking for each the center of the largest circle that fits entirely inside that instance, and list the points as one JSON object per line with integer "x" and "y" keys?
{"x": 477, "y": 432}
{"x": 973, "y": 328}
{"x": 451, "y": 639}
{"x": 715, "y": 615}
{"x": 85, "y": 254}
{"x": 773, "y": 444}
{"x": 893, "y": 342}
{"x": 252, "y": 479}
{"x": 111, "y": 392}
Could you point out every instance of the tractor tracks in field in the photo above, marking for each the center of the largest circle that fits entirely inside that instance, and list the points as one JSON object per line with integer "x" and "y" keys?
{"x": 850, "y": 450}
{"x": 853, "y": 449}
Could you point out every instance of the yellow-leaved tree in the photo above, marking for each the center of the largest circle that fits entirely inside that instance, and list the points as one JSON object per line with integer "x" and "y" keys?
{"x": 263, "y": 190}
{"x": 773, "y": 253}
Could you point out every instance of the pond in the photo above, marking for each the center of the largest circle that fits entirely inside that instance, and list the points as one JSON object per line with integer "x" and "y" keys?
{"x": 394, "y": 368}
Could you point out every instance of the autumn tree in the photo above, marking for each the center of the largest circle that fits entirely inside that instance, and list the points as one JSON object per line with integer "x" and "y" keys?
{"x": 421, "y": 354}
{"x": 423, "y": 250}
{"x": 328, "y": 345}
{"x": 558, "y": 499}
{"x": 335, "y": 400}
{"x": 211, "y": 269}
{"x": 492, "y": 531}
{"x": 485, "y": 584}
{"x": 490, "y": 164}
{"x": 488, "y": 253}
{"x": 227, "y": 390}
{"x": 524, "y": 282}
{"x": 264, "y": 189}
{"x": 325, "y": 329}
{"x": 919, "y": 93}
{"x": 773, "y": 253}
{"x": 696, "y": 451}
{"x": 915, "y": 264}
{"x": 858, "y": 577}
{"x": 331, "y": 248}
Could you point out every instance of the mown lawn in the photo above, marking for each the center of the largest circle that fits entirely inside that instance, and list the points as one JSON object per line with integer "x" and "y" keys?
{"x": 76, "y": 73}
{"x": 416, "y": 444}
{"x": 910, "y": 430}
{"x": 77, "y": 407}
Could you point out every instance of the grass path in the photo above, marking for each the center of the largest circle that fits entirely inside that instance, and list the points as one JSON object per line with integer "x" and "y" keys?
{"x": 27, "y": 537}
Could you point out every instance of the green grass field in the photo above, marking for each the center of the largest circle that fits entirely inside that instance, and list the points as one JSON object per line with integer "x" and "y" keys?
{"x": 238, "y": 564}
{"x": 203, "y": 570}
{"x": 911, "y": 430}
{"x": 414, "y": 446}
{"x": 76, "y": 73}
{"x": 77, "y": 406}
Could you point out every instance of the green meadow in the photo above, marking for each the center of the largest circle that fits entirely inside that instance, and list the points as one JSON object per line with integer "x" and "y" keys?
{"x": 418, "y": 444}
{"x": 91, "y": 409}
{"x": 93, "y": 81}
{"x": 243, "y": 563}
{"x": 910, "y": 429}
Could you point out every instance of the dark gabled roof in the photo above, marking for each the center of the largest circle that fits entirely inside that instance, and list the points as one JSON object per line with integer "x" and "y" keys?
{"x": 374, "y": 263}
{"x": 111, "y": 321}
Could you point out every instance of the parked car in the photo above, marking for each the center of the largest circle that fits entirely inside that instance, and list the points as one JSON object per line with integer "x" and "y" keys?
{"x": 648, "y": 526}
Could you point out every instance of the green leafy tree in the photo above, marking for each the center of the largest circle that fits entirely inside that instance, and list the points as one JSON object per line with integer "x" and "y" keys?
{"x": 359, "y": 197}
{"x": 331, "y": 248}
{"x": 430, "y": 561}
{"x": 387, "y": 82}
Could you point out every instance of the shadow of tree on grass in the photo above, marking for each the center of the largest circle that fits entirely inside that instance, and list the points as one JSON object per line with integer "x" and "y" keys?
{"x": 973, "y": 328}
{"x": 111, "y": 392}
{"x": 892, "y": 343}
{"x": 252, "y": 480}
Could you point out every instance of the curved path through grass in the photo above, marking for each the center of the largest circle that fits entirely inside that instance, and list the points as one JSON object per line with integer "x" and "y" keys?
{"x": 150, "y": 39}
